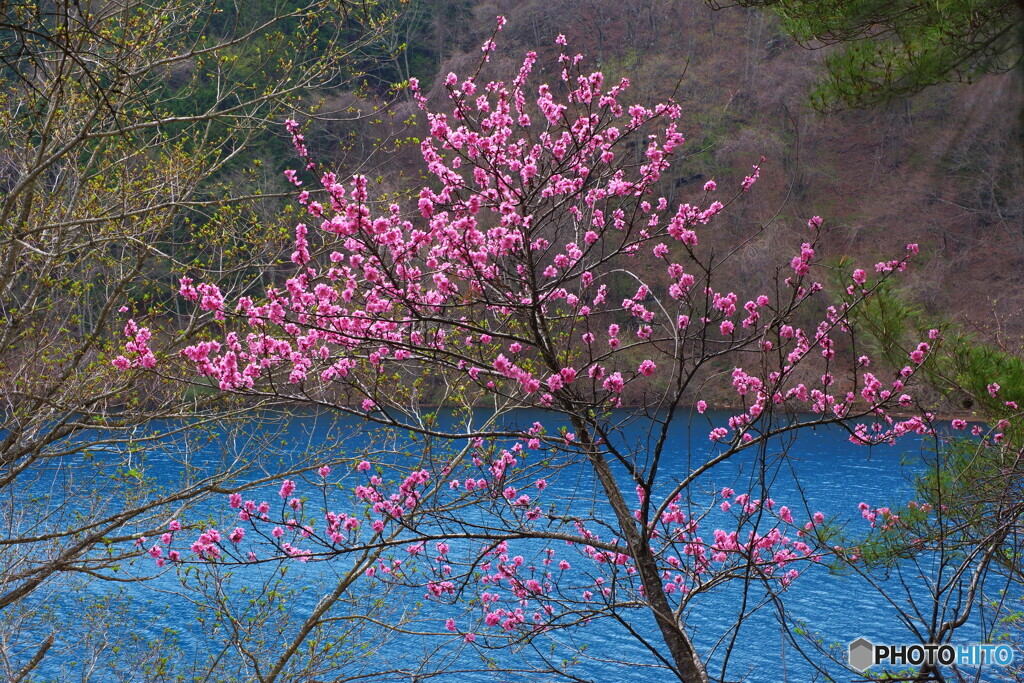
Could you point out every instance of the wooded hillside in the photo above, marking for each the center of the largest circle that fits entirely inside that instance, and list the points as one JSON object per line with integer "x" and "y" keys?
{"x": 942, "y": 168}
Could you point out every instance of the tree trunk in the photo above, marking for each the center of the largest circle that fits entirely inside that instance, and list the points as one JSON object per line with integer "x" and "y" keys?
{"x": 689, "y": 666}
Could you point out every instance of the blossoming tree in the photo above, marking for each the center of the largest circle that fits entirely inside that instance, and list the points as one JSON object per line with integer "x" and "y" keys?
{"x": 542, "y": 269}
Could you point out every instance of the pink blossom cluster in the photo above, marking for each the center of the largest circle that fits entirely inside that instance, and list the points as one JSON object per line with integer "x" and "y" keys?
{"x": 137, "y": 348}
{"x": 519, "y": 595}
{"x": 372, "y": 502}
{"x": 826, "y": 398}
{"x": 396, "y": 289}
{"x": 449, "y": 288}
{"x": 157, "y": 550}
{"x": 883, "y": 515}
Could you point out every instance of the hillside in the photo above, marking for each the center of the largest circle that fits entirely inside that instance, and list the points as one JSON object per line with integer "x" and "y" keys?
{"x": 942, "y": 168}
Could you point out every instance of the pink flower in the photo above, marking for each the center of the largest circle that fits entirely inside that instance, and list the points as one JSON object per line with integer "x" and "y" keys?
{"x": 647, "y": 368}
{"x": 959, "y": 424}
{"x": 187, "y": 291}
{"x": 614, "y": 382}
{"x": 749, "y": 180}
{"x": 701, "y": 407}
{"x": 470, "y": 638}
{"x": 993, "y": 389}
{"x": 363, "y": 466}
{"x": 287, "y": 487}
{"x": 324, "y": 471}
{"x": 450, "y": 624}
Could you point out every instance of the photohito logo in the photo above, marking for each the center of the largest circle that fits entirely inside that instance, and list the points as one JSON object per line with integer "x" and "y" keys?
{"x": 864, "y": 654}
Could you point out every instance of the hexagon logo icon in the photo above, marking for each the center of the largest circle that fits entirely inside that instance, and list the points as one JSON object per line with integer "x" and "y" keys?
{"x": 862, "y": 654}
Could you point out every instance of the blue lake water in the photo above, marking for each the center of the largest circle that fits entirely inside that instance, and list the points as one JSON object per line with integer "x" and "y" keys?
{"x": 820, "y": 471}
